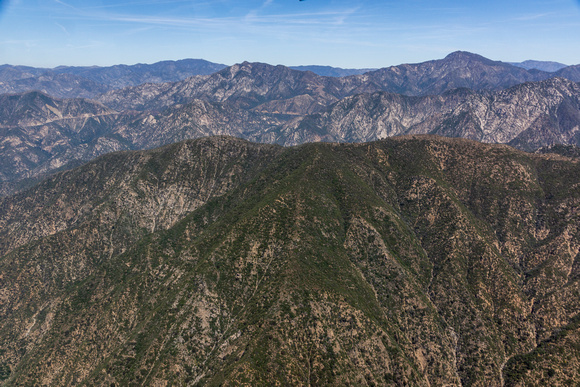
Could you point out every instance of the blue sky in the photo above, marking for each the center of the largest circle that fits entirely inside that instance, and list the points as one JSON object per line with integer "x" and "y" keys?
{"x": 350, "y": 34}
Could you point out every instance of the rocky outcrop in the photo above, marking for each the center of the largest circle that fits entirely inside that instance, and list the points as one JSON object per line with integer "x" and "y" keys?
{"x": 40, "y": 134}
{"x": 527, "y": 116}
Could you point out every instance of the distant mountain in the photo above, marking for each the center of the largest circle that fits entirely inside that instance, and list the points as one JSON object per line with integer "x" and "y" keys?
{"x": 12, "y": 73}
{"x": 57, "y": 85}
{"x": 571, "y": 72}
{"x": 539, "y": 65}
{"x": 42, "y": 134}
{"x": 458, "y": 69}
{"x": 278, "y": 89}
{"x": 329, "y": 71}
{"x": 88, "y": 82}
{"x": 527, "y": 116}
{"x": 419, "y": 261}
{"x": 257, "y": 86}
{"x": 147, "y": 82}
{"x": 120, "y": 76}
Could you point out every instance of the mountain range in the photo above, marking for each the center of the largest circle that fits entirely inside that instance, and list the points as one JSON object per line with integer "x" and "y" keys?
{"x": 88, "y": 82}
{"x": 409, "y": 79}
{"x": 188, "y": 223}
{"x": 416, "y": 260}
{"x": 275, "y": 104}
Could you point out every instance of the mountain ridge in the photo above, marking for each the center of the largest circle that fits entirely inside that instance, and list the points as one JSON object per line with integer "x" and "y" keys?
{"x": 528, "y": 116}
{"x": 90, "y": 81}
{"x": 416, "y": 259}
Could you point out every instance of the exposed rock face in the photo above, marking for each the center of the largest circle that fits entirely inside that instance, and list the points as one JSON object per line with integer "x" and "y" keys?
{"x": 413, "y": 260}
{"x": 42, "y": 134}
{"x": 528, "y": 116}
{"x": 245, "y": 85}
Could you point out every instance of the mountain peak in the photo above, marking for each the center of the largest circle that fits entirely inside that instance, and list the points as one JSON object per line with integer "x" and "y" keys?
{"x": 465, "y": 55}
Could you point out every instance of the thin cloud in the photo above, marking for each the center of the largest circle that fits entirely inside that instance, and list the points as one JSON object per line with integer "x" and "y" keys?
{"x": 63, "y": 28}
{"x": 321, "y": 18}
{"x": 148, "y": 2}
{"x": 534, "y": 16}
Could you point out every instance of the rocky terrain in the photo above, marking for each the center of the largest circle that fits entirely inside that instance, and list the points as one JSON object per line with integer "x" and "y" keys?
{"x": 527, "y": 116}
{"x": 280, "y": 89}
{"x": 416, "y": 260}
{"x": 270, "y": 104}
{"x": 247, "y": 86}
{"x": 41, "y": 134}
{"x": 58, "y": 85}
{"x": 459, "y": 69}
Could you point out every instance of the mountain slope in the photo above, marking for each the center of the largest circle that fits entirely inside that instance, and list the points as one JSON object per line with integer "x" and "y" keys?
{"x": 57, "y": 85}
{"x": 245, "y": 85}
{"x": 40, "y": 134}
{"x": 458, "y": 69}
{"x": 120, "y": 76}
{"x": 415, "y": 260}
{"x": 571, "y": 72}
{"x": 527, "y": 116}
{"x": 37, "y": 140}
{"x": 276, "y": 88}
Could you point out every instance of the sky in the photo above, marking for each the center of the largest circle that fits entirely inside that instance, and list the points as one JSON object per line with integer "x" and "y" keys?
{"x": 340, "y": 33}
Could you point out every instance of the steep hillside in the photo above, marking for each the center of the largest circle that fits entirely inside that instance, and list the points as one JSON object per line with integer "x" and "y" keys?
{"x": 245, "y": 85}
{"x": 120, "y": 76}
{"x": 527, "y": 116}
{"x": 409, "y": 261}
{"x": 571, "y": 72}
{"x": 40, "y": 134}
{"x": 57, "y": 85}
{"x": 329, "y": 71}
